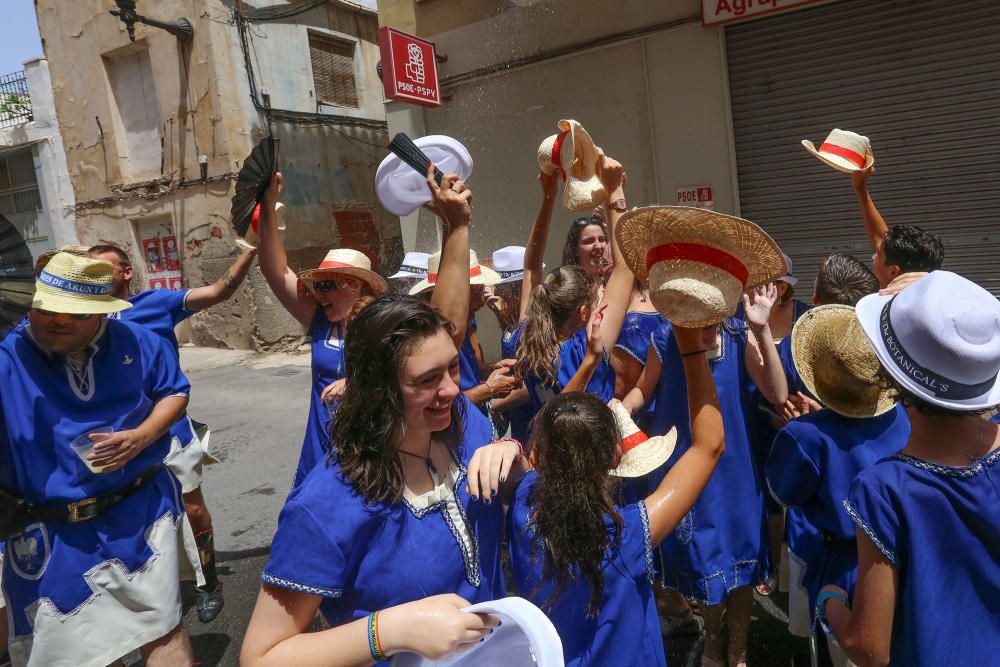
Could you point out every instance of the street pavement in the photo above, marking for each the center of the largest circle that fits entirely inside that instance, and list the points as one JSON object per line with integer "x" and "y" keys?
{"x": 256, "y": 406}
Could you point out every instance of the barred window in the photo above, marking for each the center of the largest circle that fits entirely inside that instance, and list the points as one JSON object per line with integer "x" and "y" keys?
{"x": 333, "y": 71}
{"x": 18, "y": 187}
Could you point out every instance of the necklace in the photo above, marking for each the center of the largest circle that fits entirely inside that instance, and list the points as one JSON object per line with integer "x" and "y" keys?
{"x": 431, "y": 469}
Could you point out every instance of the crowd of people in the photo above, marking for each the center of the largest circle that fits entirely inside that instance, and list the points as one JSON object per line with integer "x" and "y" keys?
{"x": 672, "y": 416}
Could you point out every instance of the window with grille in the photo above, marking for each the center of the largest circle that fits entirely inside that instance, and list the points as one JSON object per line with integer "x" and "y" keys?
{"x": 333, "y": 71}
{"x": 18, "y": 186}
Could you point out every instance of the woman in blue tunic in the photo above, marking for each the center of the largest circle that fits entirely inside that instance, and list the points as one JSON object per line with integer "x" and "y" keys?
{"x": 719, "y": 550}
{"x": 322, "y": 300}
{"x": 927, "y": 518}
{"x": 585, "y": 561}
{"x": 388, "y": 520}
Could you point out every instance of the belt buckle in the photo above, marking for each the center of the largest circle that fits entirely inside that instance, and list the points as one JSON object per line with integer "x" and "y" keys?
{"x": 74, "y": 510}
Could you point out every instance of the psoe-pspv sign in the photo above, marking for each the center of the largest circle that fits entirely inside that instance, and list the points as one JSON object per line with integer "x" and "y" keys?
{"x": 717, "y": 12}
{"x": 409, "y": 68}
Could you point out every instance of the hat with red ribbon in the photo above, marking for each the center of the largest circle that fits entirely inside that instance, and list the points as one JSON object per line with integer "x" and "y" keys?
{"x": 478, "y": 274}
{"x": 697, "y": 263}
{"x": 345, "y": 261}
{"x": 641, "y": 454}
{"x": 844, "y": 151}
{"x": 572, "y": 152}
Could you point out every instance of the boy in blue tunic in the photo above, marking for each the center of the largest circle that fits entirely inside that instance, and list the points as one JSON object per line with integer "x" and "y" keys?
{"x": 816, "y": 457}
{"x": 99, "y": 538}
{"x": 927, "y": 518}
{"x": 160, "y": 310}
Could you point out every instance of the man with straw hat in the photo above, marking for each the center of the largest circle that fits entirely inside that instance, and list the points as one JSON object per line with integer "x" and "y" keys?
{"x": 91, "y": 515}
{"x": 160, "y": 310}
{"x": 815, "y": 458}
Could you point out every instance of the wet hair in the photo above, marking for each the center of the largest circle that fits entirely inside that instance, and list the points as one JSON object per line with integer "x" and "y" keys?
{"x": 102, "y": 248}
{"x": 912, "y": 249}
{"x": 368, "y": 422}
{"x": 551, "y": 304}
{"x": 844, "y": 279}
{"x": 575, "y": 441}
{"x": 911, "y": 400}
{"x": 570, "y": 254}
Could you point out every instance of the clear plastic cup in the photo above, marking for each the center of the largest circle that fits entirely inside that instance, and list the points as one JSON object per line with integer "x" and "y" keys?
{"x": 84, "y": 446}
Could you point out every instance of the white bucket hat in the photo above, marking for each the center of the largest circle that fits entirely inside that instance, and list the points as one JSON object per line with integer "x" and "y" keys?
{"x": 414, "y": 266}
{"x": 844, "y": 151}
{"x": 940, "y": 339}
{"x": 641, "y": 454}
{"x": 697, "y": 263}
{"x": 478, "y": 274}
{"x": 346, "y": 261}
{"x": 402, "y": 190}
{"x": 788, "y": 277}
{"x": 509, "y": 264}
{"x": 524, "y": 638}
{"x": 573, "y": 153}
{"x": 76, "y": 286}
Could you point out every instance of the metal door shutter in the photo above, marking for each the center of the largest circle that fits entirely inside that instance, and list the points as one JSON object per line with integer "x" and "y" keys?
{"x": 917, "y": 77}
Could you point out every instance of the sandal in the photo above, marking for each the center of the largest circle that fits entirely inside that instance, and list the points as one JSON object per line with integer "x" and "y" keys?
{"x": 766, "y": 587}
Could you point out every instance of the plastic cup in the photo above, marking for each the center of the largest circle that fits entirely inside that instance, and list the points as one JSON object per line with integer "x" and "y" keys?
{"x": 84, "y": 446}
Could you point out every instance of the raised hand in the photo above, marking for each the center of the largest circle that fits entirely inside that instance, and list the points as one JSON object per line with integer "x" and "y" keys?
{"x": 452, "y": 199}
{"x": 549, "y": 183}
{"x": 610, "y": 172}
{"x": 595, "y": 346}
{"x": 758, "y": 304}
{"x": 859, "y": 179}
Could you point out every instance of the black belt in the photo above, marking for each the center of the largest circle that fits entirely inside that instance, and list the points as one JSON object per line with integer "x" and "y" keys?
{"x": 89, "y": 508}
{"x": 838, "y": 542}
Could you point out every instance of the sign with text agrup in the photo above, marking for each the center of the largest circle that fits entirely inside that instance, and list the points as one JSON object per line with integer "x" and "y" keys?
{"x": 409, "y": 68}
{"x": 717, "y": 12}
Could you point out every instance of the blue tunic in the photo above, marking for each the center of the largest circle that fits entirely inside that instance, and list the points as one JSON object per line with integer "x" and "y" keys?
{"x": 470, "y": 375}
{"x": 626, "y": 630}
{"x": 44, "y": 404}
{"x": 721, "y": 544}
{"x": 361, "y": 557}
{"x": 814, "y": 460}
{"x": 571, "y": 355}
{"x": 636, "y": 330}
{"x": 327, "y": 367}
{"x": 521, "y": 416}
{"x": 940, "y": 528}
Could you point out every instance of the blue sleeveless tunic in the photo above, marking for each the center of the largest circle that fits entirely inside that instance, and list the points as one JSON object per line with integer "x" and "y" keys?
{"x": 567, "y": 362}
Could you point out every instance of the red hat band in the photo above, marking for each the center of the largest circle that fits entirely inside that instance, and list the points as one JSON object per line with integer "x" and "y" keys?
{"x": 473, "y": 272}
{"x": 697, "y": 252}
{"x": 633, "y": 441}
{"x": 853, "y": 157}
{"x": 557, "y": 152}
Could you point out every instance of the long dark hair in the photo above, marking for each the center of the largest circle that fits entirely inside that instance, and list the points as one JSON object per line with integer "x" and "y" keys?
{"x": 575, "y": 438}
{"x": 368, "y": 424}
{"x": 570, "y": 254}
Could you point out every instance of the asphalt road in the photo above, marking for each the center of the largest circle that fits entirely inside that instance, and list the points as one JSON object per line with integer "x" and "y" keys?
{"x": 256, "y": 407}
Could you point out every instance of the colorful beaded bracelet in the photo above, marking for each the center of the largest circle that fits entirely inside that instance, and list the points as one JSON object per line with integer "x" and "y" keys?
{"x": 373, "y": 643}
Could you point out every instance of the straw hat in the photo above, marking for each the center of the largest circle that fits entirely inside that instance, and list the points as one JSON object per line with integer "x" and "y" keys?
{"x": 76, "y": 286}
{"x": 940, "y": 339}
{"x": 414, "y": 266}
{"x": 345, "y": 261}
{"x": 573, "y": 153}
{"x": 697, "y": 263}
{"x": 837, "y": 363}
{"x": 478, "y": 274}
{"x": 844, "y": 151}
{"x": 403, "y": 190}
{"x": 641, "y": 454}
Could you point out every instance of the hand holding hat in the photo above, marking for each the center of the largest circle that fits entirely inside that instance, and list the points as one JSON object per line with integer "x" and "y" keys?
{"x": 847, "y": 152}
{"x": 573, "y": 155}
{"x": 452, "y": 199}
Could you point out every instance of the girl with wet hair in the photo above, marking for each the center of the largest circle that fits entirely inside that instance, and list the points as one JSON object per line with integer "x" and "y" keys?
{"x": 587, "y": 562}
{"x": 588, "y": 245}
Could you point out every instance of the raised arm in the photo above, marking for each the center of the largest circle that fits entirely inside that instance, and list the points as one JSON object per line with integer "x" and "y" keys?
{"x": 537, "y": 238}
{"x": 451, "y": 292}
{"x": 678, "y": 491}
{"x": 274, "y": 262}
{"x": 207, "y": 296}
{"x": 619, "y": 288}
{"x": 875, "y": 226}
{"x": 762, "y": 360}
{"x": 595, "y": 351}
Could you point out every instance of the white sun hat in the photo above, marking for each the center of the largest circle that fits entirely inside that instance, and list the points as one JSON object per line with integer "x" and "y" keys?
{"x": 572, "y": 152}
{"x": 940, "y": 339}
{"x": 402, "y": 190}
{"x": 844, "y": 151}
{"x": 478, "y": 273}
{"x": 414, "y": 266}
{"x": 788, "y": 277}
{"x": 524, "y": 638}
{"x": 641, "y": 454}
{"x": 509, "y": 264}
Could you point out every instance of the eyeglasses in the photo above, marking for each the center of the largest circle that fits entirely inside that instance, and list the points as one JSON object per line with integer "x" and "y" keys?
{"x": 75, "y": 316}
{"x": 341, "y": 282}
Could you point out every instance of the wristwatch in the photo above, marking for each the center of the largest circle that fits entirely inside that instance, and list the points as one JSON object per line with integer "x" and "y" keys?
{"x": 618, "y": 205}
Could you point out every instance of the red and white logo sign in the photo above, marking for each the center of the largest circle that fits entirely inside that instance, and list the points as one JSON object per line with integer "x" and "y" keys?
{"x": 697, "y": 196}
{"x": 717, "y": 12}
{"x": 409, "y": 68}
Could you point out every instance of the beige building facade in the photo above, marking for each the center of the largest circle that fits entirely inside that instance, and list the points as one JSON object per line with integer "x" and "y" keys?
{"x": 156, "y": 130}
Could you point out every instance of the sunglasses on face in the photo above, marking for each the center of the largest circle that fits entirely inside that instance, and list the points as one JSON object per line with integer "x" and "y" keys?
{"x": 75, "y": 316}
{"x": 334, "y": 284}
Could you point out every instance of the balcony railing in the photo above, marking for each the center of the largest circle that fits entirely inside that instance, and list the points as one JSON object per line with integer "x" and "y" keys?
{"x": 15, "y": 103}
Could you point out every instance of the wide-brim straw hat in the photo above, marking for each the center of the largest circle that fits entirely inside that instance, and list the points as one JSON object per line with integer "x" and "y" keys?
{"x": 837, "y": 363}
{"x": 479, "y": 274}
{"x": 401, "y": 190}
{"x": 641, "y": 454}
{"x": 414, "y": 266}
{"x": 697, "y": 263}
{"x": 843, "y": 150}
{"x": 345, "y": 261}
{"x": 573, "y": 153}
{"x": 76, "y": 286}
{"x": 939, "y": 339}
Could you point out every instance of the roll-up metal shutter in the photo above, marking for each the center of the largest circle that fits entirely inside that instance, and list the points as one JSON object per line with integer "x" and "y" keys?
{"x": 921, "y": 79}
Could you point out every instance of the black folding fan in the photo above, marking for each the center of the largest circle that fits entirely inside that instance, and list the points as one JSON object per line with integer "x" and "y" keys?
{"x": 253, "y": 181}
{"x": 411, "y": 154}
{"x": 17, "y": 277}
